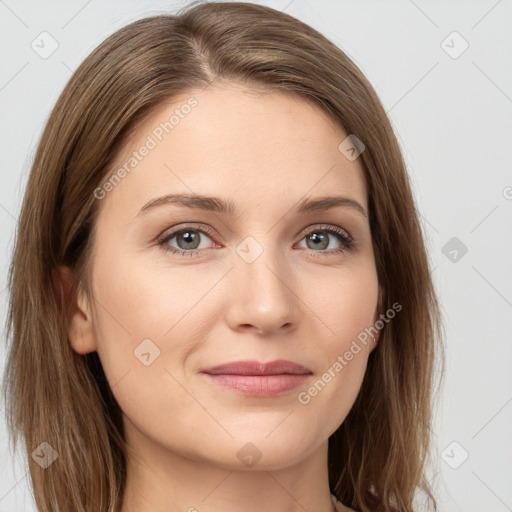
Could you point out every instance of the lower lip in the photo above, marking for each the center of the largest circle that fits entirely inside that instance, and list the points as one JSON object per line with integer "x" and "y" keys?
{"x": 259, "y": 385}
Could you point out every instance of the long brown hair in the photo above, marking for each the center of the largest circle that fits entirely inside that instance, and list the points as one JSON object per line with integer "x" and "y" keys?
{"x": 378, "y": 457}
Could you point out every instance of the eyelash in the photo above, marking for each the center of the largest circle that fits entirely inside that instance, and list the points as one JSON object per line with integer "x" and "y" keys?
{"x": 347, "y": 241}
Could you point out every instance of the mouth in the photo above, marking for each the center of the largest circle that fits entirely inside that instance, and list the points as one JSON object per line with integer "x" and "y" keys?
{"x": 253, "y": 378}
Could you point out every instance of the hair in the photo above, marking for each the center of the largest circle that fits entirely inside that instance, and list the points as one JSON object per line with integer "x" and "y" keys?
{"x": 377, "y": 458}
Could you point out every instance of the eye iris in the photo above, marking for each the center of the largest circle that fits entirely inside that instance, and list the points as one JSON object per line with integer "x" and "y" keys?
{"x": 320, "y": 238}
{"x": 190, "y": 237}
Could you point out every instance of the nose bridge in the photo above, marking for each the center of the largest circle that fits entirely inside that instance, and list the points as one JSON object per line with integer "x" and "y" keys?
{"x": 264, "y": 284}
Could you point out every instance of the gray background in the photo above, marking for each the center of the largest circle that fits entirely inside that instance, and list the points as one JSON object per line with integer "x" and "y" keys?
{"x": 453, "y": 116}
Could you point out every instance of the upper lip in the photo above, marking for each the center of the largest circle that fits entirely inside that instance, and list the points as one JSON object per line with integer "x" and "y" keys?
{"x": 277, "y": 367}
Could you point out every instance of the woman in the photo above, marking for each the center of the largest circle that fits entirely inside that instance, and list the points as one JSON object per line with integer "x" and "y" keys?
{"x": 220, "y": 293}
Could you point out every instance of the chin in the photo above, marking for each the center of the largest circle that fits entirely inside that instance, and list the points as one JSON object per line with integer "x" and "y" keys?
{"x": 260, "y": 454}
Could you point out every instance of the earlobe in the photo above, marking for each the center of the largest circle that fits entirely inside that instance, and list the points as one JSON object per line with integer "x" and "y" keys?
{"x": 78, "y": 320}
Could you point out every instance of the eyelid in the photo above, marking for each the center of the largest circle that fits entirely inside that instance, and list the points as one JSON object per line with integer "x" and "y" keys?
{"x": 168, "y": 233}
{"x": 322, "y": 226}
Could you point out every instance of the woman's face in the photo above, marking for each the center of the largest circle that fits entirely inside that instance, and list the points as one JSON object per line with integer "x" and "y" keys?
{"x": 183, "y": 286}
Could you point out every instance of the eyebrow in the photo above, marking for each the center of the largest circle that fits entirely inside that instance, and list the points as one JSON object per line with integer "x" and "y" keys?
{"x": 218, "y": 205}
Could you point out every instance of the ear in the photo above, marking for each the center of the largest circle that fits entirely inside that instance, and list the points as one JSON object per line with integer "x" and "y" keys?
{"x": 79, "y": 325}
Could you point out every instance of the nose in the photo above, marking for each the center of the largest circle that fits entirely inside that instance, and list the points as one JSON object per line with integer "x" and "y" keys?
{"x": 262, "y": 295}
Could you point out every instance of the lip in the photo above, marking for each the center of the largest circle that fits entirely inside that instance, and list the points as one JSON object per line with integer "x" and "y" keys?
{"x": 254, "y": 378}
{"x": 252, "y": 367}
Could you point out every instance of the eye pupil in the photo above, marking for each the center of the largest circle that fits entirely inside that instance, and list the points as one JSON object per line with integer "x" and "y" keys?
{"x": 320, "y": 239}
{"x": 190, "y": 237}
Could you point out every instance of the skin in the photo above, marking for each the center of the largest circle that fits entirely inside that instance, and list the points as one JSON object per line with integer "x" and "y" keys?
{"x": 266, "y": 153}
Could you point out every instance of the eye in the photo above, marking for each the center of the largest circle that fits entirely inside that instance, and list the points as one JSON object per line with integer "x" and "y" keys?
{"x": 318, "y": 239}
{"x": 188, "y": 239}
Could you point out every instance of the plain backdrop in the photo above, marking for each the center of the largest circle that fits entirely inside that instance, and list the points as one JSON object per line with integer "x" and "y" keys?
{"x": 443, "y": 71}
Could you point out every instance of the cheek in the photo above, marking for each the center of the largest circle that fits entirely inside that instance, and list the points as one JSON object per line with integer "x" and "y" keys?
{"x": 347, "y": 310}
{"x": 146, "y": 308}
{"x": 346, "y": 301}
{"x": 148, "y": 323}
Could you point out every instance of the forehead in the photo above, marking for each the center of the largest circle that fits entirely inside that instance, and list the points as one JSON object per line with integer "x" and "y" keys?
{"x": 253, "y": 144}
